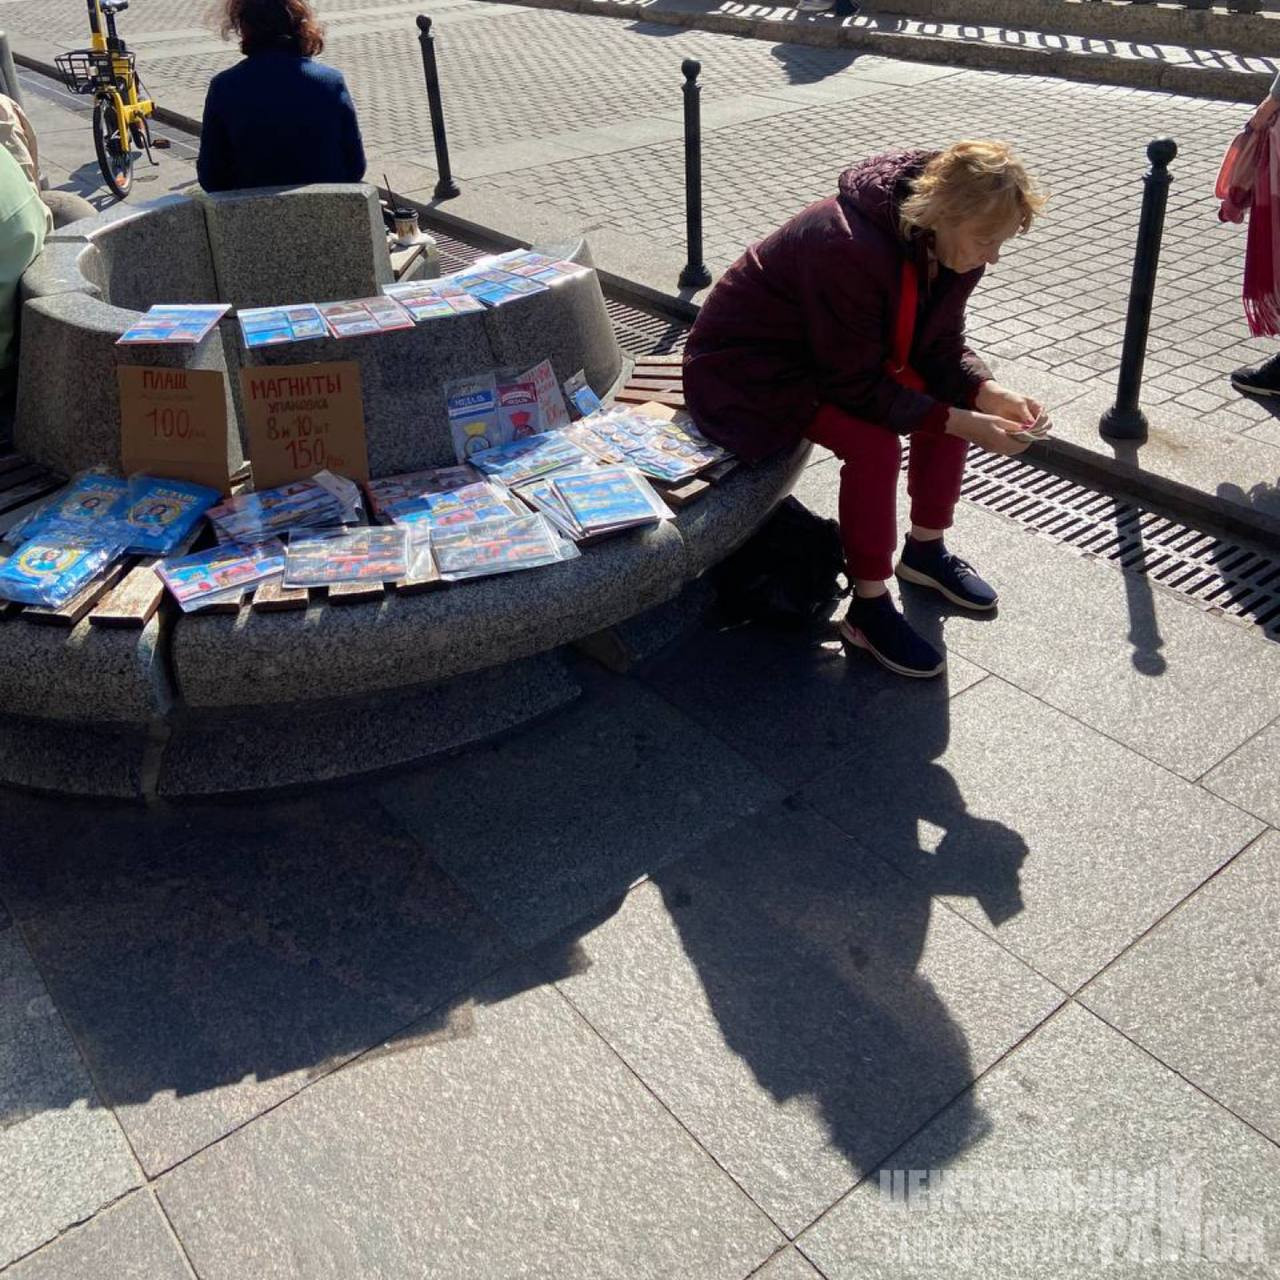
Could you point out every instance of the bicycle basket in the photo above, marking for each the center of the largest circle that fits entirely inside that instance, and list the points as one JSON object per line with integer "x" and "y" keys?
{"x": 83, "y": 70}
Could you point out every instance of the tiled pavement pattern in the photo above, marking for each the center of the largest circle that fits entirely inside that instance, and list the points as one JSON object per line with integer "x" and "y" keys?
{"x": 654, "y": 988}
{"x": 562, "y": 120}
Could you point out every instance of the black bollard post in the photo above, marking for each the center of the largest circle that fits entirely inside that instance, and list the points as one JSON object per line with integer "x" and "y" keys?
{"x": 695, "y": 274}
{"x": 1125, "y": 420}
{"x": 446, "y": 188}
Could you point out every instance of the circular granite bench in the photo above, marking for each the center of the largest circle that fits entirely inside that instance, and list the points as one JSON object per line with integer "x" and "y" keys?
{"x": 193, "y": 704}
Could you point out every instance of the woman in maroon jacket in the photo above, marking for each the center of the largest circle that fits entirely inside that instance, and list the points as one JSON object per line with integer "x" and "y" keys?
{"x": 846, "y": 325}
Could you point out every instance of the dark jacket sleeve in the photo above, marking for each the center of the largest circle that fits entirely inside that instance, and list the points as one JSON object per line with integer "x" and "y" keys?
{"x": 213, "y": 165}
{"x": 352, "y": 143}
{"x": 848, "y": 317}
{"x": 948, "y": 365}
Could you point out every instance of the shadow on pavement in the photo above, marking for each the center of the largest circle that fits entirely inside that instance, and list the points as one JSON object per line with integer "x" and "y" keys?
{"x": 212, "y": 960}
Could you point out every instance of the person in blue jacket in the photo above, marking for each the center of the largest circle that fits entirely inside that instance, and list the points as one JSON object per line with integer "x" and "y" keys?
{"x": 279, "y": 118}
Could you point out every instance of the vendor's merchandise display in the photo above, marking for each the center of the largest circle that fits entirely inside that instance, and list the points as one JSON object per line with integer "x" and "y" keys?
{"x": 386, "y": 492}
{"x": 468, "y": 505}
{"x": 50, "y": 570}
{"x": 365, "y": 315}
{"x": 271, "y": 326}
{"x": 269, "y": 513}
{"x": 499, "y": 546}
{"x": 183, "y": 324}
{"x": 324, "y": 557}
{"x": 520, "y": 461}
{"x": 220, "y": 574}
{"x": 666, "y": 450}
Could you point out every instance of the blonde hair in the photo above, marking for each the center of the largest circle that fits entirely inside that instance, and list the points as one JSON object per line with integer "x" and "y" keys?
{"x": 972, "y": 181}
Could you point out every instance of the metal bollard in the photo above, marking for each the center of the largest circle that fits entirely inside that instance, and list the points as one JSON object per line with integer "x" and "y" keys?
{"x": 695, "y": 274}
{"x": 1125, "y": 420}
{"x": 446, "y": 188}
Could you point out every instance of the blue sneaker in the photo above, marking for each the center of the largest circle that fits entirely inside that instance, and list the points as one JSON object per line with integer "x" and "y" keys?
{"x": 876, "y": 625}
{"x": 930, "y": 564}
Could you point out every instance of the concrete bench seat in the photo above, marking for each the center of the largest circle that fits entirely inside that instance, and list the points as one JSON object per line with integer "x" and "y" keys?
{"x": 136, "y": 698}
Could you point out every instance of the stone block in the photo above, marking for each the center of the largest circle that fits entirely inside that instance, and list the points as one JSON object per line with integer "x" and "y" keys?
{"x": 406, "y": 640}
{"x": 64, "y": 266}
{"x": 402, "y": 377}
{"x": 568, "y": 324}
{"x": 68, "y": 414}
{"x": 74, "y": 759}
{"x": 296, "y": 244}
{"x": 215, "y": 754}
{"x": 149, "y": 253}
{"x": 104, "y": 674}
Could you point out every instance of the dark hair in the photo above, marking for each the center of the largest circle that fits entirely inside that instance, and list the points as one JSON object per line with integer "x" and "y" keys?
{"x": 263, "y": 25}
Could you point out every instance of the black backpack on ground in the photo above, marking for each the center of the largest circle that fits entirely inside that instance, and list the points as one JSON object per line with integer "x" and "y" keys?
{"x": 789, "y": 572}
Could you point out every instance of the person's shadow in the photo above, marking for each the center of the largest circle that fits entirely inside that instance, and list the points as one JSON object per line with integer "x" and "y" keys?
{"x": 809, "y": 944}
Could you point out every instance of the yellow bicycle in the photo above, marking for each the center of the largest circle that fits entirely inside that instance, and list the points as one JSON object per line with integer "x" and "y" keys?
{"x": 121, "y": 107}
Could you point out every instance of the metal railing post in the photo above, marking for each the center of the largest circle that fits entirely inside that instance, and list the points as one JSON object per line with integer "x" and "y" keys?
{"x": 446, "y": 187}
{"x": 1125, "y": 419}
{"x": 695, "y": 274}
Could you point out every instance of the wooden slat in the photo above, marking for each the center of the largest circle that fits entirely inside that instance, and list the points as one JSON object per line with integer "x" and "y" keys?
{"x": 219, "y": 607}
{"x": 680, "y": 495}
{"x": 9, "y": 608}
{"x": 76, "y": 608}
{"x": 134, "y": 602}
{"x": 16, "y": 476}
{"x": 25, "y": 493}
{"x": 643, "y": 395}
{"x": 670, "y": 358}
{"x": 11, "y": 462}
{"x": 355, "y": 592}
{"x": 273, "y": 596}
{"x": 721, "y": 469}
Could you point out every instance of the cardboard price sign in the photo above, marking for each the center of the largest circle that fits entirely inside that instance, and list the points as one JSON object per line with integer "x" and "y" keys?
{"x": 304, "y": 418}
{"x": 173, "y": 423}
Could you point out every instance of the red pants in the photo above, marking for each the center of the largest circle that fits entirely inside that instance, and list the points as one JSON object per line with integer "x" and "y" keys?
{"x": 872, "y": 457}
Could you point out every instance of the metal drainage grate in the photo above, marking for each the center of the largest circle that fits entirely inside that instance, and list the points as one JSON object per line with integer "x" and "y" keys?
{"x": 1220, "y": 575}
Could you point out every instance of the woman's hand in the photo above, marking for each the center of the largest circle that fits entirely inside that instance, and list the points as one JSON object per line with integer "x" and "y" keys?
{"x": 1002, "y": 403}
{"x": 987, "y": 431}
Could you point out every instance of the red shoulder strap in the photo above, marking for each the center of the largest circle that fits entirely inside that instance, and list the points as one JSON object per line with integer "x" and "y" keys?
{"x": 904, "y": 331}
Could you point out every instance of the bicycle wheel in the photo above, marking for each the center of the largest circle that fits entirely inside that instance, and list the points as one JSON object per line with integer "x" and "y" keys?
{"x": 115, "y": 154}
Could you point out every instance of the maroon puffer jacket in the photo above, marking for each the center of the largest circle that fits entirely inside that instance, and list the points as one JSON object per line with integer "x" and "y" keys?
{"x": 806, "y": 317}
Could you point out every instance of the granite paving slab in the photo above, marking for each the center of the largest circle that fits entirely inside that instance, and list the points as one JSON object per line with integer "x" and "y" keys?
{"x": 1059, "y": 842}
{"x": 547, "y": 826}
{"x": 1200, "y": 991}
{"x": 214, "y": 961}
{"x": 1250, "y": 776}
{"x": 509, "y": 1142}
{"x": 800, "y": 1006}
{"x": 1109, "y": 647}
{"x": 791, "y": 701}
{"x": 1076, "y": 1105}
{"x": 787, "y": 1265}
{"x": 129, "y": 1241}
{"x": 62, "y": 1154}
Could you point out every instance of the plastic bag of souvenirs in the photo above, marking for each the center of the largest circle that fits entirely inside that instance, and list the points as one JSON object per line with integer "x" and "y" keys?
{"x": 256, "y": 517}
{"x": 318, "y": 558}
{"x": 499, "y": 546}
{"x": 50, "y": 570}
{"x": 161, "y": 514}
{"x": 219, "y": 573}
{"x": 472, "y": 407}
{"x": 470, "y": 504}
{"x": 85, "y": 508}
{"x": 388, "y": 491}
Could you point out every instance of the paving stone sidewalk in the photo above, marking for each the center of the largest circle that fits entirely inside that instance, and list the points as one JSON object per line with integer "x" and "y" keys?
{"x": 657, "y": 988}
